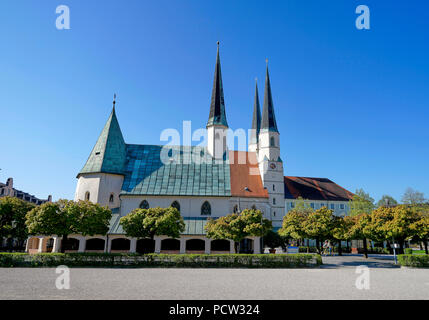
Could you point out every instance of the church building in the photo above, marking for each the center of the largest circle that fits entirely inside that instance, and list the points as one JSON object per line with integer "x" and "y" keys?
{"x": 200, "y": 181}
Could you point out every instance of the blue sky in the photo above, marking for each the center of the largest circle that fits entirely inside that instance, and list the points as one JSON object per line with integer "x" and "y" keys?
{"x": 351, "y": 105}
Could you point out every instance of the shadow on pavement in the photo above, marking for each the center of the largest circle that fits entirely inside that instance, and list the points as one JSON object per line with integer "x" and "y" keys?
{"x": 373, "y": 261}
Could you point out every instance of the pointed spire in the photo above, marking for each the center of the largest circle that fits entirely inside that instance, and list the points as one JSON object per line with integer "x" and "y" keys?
{"x": 217, "y": 106}
{"x": 268, "y": 118}
{"x": 256, "y": 122}
{"x": 114, "y": 101}
{"x": 109, "y": 152}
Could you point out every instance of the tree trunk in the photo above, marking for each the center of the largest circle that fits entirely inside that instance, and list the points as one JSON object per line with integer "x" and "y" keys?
{"x": 425, "y": 243}
{"x": 401, "y": 247}
{"x": 63, "y": 243}
{"x": 347, "y": 246}
{"x": 308, "y": 245}
{"x": 365, "y": 249}
{"x": 340, "y": 250}
{"x": 318, "y": 245}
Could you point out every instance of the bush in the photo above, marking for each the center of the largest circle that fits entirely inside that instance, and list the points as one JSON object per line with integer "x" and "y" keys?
{"x": 161, "y": 260}
{"x": 408, "y": 251}
{"x": 414, "y": 260}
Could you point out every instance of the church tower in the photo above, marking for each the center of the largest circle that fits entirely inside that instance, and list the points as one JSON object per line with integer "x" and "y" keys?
{"x": 217, "y": 126}
{"x": 100, "y": 180}
{"x": 256, "y": 124}
{"x": 270, "y": 163}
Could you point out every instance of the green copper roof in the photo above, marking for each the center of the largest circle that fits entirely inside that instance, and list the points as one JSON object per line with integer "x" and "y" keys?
{"x": 268, "y": 117}
{"x": 192, "y": 173}
{"x": 217, "y": 106}
{"x": 108, "y": 154}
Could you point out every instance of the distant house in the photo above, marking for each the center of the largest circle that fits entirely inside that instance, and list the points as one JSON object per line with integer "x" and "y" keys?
{"x": 318, "y": 193}
{"x": 7, "y": 190}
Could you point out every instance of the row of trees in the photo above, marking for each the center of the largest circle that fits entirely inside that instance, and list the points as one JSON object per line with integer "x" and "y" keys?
{"x": 18, "y": 219}
{"x": 148, "y": 223}
{"x": 365, "y": 222}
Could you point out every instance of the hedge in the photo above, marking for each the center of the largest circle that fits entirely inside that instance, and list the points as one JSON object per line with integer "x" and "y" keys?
{"x": 414, "y": 260}
{"x": 161, "y": 260}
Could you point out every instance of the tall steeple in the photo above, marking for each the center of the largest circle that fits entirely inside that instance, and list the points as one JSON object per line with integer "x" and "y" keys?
{"x": 109, "y": 152}
{"x": 268, "y": 118}
{"x": 217, "y": 107}
{"x": 256, "y": 122}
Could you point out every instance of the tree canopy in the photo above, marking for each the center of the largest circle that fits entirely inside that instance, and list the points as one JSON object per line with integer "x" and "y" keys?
{"x": 66, "y": 217}
{"x": 238, "y": 226}
{"x": 361, "y": 203}
{"x": 12, "y": 217}
{"x": 148, "y": 223}
{"x": 413, "y": 197}
{"x": 387, "y": 200}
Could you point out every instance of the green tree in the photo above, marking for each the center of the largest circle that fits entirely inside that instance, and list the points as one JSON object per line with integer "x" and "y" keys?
{"x": 292, "y": 226}
{"x": 66, "y": 217}
{"x": 341, "y": 230}
{"x": 421, "y": 229}
{"x": 361, "y": 203}
{"x": 387, "y": 200}
{"x": 413, "y": 197}
{"x": 357, "y": 229}
{"x": 12, "y": 219}
{"x": 319, "y": 225}
{"x": 148, "y": 223}
{"x": 401, "y": 226}
{"x": 237, "y": 227}
{"x": 92, "y": 218}
{"x": 274, "y": 239}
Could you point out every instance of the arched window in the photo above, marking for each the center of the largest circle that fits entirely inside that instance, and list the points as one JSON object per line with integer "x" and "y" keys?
{"x": 144, "y": 205}
{"x": 87, "y": 195}
{"x": 272, "y": 142}
{"x": 111, "y": 198}
{"x": 206, "y": 209}
{"x": 176, "y": 205}
{"x": 253, "y": 207}
{"x": 274, "y": 187}
{"x": 235, "y": 209}
{"x": 274, "y": 201}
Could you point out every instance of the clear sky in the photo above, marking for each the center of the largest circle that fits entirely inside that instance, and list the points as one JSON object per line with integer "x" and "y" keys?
{"x": 351, "y": 105}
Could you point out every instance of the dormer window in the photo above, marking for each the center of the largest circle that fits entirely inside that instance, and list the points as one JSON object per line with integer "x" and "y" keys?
{"x": 272, "y": 142}
{"x": 87, "y": 195}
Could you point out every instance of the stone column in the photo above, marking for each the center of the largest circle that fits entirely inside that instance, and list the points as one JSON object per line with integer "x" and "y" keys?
{"x": 109, "y": 245}
{"x": 231, "y": 246}
{"x": 207, "y": 248}
{"x": 40, "y": 249}
{"x": 82, "y": 244}
{"x": 256, "y": 245}
{"x": 133, "y": 245}
{"x": 26, "y": 244}
{"x": 182, "y": 245}
{"x": 57, "y": 242}
{"x": 157, "y": 245}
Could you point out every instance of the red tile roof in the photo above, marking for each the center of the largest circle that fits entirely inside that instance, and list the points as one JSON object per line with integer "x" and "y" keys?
{"x": 315, "y": 189}
{"x": 245, "y": 173}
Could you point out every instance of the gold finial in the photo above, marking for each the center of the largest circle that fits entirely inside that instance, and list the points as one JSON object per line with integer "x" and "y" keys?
{"x": 218, "y": 43}
{"x": 266, "y": 60}
{"x": 114, "y": 100}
